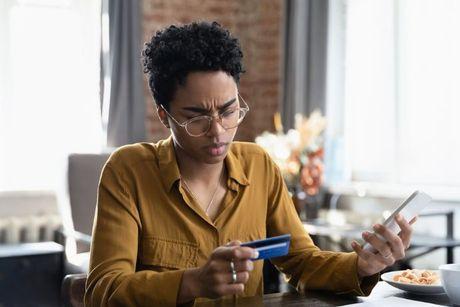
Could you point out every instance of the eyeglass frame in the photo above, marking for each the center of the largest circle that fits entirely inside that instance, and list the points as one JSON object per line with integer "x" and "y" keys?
{"x": 209, "y": 117}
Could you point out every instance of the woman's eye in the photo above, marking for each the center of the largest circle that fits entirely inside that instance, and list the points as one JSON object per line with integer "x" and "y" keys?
{"x": 228, "y": 113}
{"x": 193, "y": 117}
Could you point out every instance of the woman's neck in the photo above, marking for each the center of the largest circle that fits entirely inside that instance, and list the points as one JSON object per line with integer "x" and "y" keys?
{"x": 194, "y": 171}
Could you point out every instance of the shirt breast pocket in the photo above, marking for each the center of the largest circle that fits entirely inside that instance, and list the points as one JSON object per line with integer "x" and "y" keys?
{"x": 168, "y": 253}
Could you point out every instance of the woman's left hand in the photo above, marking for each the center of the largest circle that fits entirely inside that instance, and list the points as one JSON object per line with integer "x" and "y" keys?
{"x": 388, "y": 253}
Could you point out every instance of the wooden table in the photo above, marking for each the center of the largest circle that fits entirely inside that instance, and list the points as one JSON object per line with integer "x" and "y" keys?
{"x": 323, "y": 299}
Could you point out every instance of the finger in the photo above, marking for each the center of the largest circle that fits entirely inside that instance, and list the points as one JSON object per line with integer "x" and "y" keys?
{"x": 394, "y": 243}
{"x": 241, "y": 278}
{"x": 234, "y": 253}
{"x": 370, "y": 257}
{"x": 385, "y": 260}
{"x": 245, "y": 265}
{"x": 233, "y": 243}
{"x": 221, "y": 252}
{"x": 224, "y": 266}
{"x": 406, "y": 229}
{"x": 229, "y": 289}
{"x": 362, "y": 253}
{"x": 380, "y": 246}
{"x": 244, "y": 253}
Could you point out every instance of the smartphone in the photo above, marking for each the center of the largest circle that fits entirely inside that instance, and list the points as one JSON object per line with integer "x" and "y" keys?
{"x": 409, "y": 209}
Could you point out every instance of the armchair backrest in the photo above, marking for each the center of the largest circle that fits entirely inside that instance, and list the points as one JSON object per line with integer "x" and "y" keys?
{"x": 73, "y": 290}
{"x": 84, "y": 171}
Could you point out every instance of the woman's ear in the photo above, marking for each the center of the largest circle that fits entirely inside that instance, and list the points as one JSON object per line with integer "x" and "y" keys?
{"x": 163, "y": 116}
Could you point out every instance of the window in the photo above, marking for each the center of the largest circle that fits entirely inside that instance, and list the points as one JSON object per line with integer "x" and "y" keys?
{"x": 401, "y": 94}
{"x": 49, "y": 89}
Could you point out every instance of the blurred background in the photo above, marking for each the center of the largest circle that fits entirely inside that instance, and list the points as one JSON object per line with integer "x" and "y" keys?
{"x": 357, "y": 101}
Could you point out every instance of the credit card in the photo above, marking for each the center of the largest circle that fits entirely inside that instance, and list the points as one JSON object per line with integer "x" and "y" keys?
{"x": 270, "y": 247}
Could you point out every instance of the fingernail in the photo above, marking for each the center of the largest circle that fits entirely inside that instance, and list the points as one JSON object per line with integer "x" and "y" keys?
{"x": 366, "y": 234}
{"x": 377, "y": 226}
{"x": 256, "y": 254}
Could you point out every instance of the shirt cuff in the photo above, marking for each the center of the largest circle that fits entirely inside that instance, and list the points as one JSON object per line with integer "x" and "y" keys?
{"x": 359, "y": 287}
{"x": 172, "y": 280}
{"x": 167, "y": 285}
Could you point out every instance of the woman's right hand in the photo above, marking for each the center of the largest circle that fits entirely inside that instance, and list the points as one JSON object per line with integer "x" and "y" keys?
{"x": 215, "y": 278}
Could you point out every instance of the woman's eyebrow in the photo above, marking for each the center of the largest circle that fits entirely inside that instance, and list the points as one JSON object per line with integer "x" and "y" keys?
{"x": 203, "y": 110}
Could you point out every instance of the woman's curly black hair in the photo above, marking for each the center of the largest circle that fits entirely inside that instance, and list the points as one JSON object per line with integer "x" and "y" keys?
{"x": 174, "y": 52}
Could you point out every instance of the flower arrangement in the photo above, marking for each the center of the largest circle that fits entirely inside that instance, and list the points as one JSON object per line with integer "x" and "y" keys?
{"x": 299, "y": 152}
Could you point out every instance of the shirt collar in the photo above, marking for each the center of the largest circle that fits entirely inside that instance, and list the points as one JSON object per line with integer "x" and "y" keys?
{"x": 167, "y": 163}
{"x": 170, "y": 173}
{"x": 235, "y": 169}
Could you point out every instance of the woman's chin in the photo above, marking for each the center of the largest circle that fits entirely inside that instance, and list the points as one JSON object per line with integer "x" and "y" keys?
{"x": 215, "y": 157}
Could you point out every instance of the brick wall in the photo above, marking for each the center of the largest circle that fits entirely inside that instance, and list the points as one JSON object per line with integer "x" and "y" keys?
{"x": 258, "y": 25}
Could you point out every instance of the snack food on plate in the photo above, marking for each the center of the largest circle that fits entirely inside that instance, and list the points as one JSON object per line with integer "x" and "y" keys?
{"x": 418, "y": 277}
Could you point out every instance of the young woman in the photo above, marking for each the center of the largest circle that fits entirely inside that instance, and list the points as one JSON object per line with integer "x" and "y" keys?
{"x": 171, "y": 215}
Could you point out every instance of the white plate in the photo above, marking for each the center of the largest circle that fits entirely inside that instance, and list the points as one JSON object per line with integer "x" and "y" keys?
{"x": 418, "y": 289}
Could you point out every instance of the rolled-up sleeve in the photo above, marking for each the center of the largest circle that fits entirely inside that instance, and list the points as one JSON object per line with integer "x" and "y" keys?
{"x": 306, "y": 266}
{"x": 112, "y": 278}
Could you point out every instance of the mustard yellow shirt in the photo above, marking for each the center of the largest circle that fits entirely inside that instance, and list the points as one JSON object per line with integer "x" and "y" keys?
{"x": 148, "y": 230}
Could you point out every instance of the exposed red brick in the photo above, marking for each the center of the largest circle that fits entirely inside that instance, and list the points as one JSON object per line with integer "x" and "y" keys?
{"x": 258, "y": 25}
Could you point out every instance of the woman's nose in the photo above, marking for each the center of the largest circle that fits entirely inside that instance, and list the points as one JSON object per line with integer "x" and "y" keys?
{"x": 216, "y": 127}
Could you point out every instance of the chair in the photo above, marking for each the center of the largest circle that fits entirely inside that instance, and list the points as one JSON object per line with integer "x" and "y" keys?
{"x": 83, "y": 175}
{"x": 73, "y": 290}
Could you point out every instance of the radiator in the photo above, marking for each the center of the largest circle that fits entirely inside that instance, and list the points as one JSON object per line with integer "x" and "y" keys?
{"x": 22, "y": 229}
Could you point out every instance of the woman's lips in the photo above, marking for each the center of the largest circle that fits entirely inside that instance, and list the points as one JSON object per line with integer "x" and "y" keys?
{"x": 217, "y": 149}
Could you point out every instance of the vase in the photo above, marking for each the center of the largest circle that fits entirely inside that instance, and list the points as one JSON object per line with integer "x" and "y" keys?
{"x": 311, "y": 173}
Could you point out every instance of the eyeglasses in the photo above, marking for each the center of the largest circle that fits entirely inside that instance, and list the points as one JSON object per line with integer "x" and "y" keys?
{"x": 200, "y": 125}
